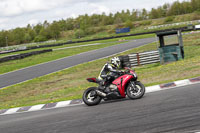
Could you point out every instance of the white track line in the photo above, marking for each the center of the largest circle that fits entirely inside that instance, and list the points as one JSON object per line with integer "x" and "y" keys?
{"x": 77, "y": 46}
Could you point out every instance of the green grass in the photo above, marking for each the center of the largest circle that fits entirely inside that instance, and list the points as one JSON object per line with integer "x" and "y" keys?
{"x": 84, "y": 43}
{"x": 45, "y": 57}
{"x": 70, "y": 83}
{"x": 68, "y": 45}
{"x": 50, "y": 56}
{"x": 140, "y": 26}
{"x": 109, "y": 30}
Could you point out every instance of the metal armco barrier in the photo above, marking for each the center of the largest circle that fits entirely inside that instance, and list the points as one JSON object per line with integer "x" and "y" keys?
{"x": 173, "y": 24}
{"x": 138, "y": 59}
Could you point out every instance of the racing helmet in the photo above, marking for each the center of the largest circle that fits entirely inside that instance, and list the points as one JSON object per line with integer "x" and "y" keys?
{"x": 116, "y": 62}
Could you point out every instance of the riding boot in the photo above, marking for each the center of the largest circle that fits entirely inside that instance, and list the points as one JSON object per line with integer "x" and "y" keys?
{"x": 102, "y": 86}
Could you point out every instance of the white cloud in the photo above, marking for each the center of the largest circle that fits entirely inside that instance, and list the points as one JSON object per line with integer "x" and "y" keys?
{"x": 3, "y": 22}
{"x": 19, "y": 13}
{"x": 74, "y": 15}
{"x": 33, "y": 21}
{"x": 98, "y": 9}
{"x": 18, "y": 7}
{"x": 9, "y": 8}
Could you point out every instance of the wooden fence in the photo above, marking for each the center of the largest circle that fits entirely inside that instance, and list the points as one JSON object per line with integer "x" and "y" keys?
{"x": 138, "y": 59}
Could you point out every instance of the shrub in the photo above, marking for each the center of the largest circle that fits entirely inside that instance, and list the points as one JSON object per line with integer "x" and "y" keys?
{"x": 129, "y": 24}
{"x": 146, "y": 22}
{"x": 169, "y": 19}
{"x": 40, "y": 38}
{"x": 196, "y": 15}
{"x": 79, "y": 34}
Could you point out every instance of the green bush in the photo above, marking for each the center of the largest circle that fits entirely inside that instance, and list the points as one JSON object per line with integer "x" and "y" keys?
{"x": 90, "y": 31}
{"x": 79, "y": 34}
{"x": 40, "y": 38}
{"x": 196, "y": 15}
{"x": 129, "y": 24}
{"x": 169, "y": 19}
{"x": 146, "y": 22}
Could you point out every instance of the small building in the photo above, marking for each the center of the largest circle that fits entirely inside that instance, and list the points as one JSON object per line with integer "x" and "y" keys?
{"x": 172, "y": 50}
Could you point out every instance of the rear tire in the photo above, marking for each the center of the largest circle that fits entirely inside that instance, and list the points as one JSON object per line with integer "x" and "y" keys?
{"x": 135, "y": 93}
{"x": 89, "y": 98}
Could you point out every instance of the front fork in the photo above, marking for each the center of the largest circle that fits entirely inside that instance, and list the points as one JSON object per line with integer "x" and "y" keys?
{"x": 133, "y": 86}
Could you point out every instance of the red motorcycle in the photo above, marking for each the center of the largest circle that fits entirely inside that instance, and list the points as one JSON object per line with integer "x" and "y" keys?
{"x": 125, "y": 84}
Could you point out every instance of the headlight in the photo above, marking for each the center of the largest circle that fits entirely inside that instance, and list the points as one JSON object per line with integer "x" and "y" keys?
{"x": 135, "y": 75}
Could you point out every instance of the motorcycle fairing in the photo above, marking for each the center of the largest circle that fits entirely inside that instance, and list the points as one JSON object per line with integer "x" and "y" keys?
{"x": 92, "y": 80}
{"x": 121, "y": 83}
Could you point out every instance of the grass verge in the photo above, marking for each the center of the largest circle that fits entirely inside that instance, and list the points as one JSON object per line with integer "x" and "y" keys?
{"x": 70, "y": 83}
{"x": 84, "y": 43}
{"x": 42, "y": 58}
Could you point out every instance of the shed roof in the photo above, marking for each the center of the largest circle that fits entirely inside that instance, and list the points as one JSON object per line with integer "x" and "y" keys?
{"x": 166, "y": 33}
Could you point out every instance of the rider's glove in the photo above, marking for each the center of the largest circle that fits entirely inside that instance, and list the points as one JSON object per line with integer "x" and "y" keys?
{"x": 120, "y": 72}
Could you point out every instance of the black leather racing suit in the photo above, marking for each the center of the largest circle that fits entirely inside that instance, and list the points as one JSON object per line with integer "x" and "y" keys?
{"x": 108, "y": 74}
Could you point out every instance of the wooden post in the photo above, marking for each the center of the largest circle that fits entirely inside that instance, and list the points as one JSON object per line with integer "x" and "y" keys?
{"x": 138, "y": 59}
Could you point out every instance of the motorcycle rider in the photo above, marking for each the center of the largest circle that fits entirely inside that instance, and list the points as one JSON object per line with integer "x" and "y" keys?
{"x": 109, "y": 72}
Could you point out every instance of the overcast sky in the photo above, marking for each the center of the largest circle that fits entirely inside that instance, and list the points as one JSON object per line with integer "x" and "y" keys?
{"x": 19, "y": 13}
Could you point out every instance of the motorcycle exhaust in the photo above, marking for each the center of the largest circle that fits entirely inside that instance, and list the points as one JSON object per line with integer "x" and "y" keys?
{"x": 101, "y": 93}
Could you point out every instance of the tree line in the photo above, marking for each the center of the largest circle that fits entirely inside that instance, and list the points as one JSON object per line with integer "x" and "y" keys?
{"x": 85, "y": 25}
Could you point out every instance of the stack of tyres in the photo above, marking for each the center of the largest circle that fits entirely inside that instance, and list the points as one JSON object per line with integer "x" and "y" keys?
{"x": 23, "y": 55}
{"x": 125, "y": 62}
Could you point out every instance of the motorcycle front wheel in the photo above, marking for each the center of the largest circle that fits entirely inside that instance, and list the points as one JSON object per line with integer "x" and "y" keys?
{"x": 135, "y": 90}
{"x": 90, "y": 97}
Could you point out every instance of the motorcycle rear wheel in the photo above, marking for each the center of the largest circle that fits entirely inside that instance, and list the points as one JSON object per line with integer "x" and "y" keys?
{"x": 136, "y": 92}
{"x": 90, "y": 97}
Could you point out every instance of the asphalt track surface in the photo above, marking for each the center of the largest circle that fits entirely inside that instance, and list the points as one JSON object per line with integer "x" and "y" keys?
{"x": 28, "y": 73}
{"x": 169, "y": 111}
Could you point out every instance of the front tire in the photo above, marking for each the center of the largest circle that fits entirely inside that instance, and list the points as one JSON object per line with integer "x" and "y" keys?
{"x": 135, "y": 92}
{"x": 90, "y": 97}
